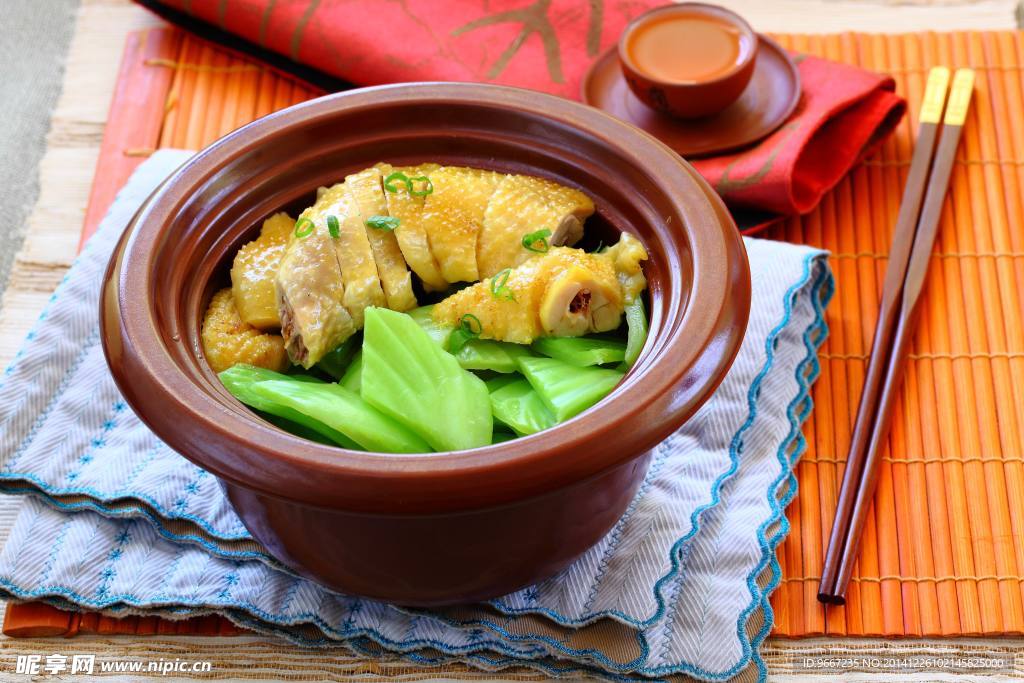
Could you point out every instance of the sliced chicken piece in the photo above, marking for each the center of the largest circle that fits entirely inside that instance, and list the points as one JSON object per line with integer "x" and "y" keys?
{"x": 627, "y": 254}
{"x": 522, "y": 205}
{"x": 395, "y": 278}
{"x": 565, "y": 292}
{"x": 355, "y": 256}
{"x": 310, "y": 298}
{"x": 229, "y": 340}
{"x": 411, "y": 231}
{"x": 454, "y": 215}
{"x": 252, "y": 273}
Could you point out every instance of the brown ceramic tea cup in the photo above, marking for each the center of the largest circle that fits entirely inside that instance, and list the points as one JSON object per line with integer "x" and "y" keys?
{"x": 688, "y": 60}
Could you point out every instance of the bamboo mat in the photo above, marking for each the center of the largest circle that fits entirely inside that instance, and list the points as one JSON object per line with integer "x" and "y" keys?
{"x": 943, "y": 551}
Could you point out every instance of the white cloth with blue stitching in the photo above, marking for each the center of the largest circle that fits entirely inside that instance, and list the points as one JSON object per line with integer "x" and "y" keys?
{"x": 119, "y": 522}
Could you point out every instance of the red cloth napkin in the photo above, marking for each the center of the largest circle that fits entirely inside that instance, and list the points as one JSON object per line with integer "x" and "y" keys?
{"x": 548, "y": 45}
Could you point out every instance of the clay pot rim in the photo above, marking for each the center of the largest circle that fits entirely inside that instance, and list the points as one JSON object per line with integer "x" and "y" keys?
{"x": 686, "y": 356}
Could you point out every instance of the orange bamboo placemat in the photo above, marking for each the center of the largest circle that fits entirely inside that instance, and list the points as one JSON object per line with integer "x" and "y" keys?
{"x": 943, "y": 551}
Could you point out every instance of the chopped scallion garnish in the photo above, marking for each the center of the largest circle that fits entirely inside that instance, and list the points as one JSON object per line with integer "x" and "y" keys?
{"x": 382, "y": 222}
{"x": 410, "y": 184}
{"x": 390, "y": 180}
{"x": 469, "y": 328}
{"x": 471, "y": 324}
{"x": 333, "y": 227}
{"x": 537, "y": 241}
{"x": 499, "y": 286}
{"x": 304, "y": 227}
{"x": 428, "y": 187}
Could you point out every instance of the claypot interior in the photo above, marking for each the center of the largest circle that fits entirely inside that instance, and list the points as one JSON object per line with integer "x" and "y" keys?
{"x": 181, "y": 244}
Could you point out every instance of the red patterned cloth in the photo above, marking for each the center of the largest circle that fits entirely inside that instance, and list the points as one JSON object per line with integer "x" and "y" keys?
{"x": 548, "y": 45}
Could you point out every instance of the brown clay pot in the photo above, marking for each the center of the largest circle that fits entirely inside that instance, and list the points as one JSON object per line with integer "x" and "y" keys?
{"x": 445, "y": 527}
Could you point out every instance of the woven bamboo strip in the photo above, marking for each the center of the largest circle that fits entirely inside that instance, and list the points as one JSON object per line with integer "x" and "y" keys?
{"x": 1004, "y": 332}
{"x": 815, "y": 229}
{"x": 959, "y": 425}
{"x": 927, "y": 566}
{"x": 945, "y": 547}
{"x": 871, "y": 223}
{"x": 980, "y": 428}
{"x": 937, "y": 413}
{"x": 1005, "y": 93}
{"x": 215, "y": 87}
{"x": 172, "y": 103}
{"x": 1007, "y": 204}
{"x": 895, "y": 600}
{"x": 923, "y": 536}
{"x": 799, "y": 606}
{"x": 189, "y": 54}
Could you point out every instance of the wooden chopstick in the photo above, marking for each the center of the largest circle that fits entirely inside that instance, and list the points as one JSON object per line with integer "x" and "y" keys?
{"x": 908, "y": 264}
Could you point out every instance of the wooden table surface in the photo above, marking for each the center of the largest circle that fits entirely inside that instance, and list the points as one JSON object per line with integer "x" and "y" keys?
{"x": 66, "y": 173}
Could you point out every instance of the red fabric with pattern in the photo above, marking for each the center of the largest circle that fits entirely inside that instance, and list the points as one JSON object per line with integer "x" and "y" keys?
{"x": 548, "y": 45}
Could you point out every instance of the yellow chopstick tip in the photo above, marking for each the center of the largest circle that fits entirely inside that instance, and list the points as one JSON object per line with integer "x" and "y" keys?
{"x": 935, "y": 94}
{"x": 959, "y": 97}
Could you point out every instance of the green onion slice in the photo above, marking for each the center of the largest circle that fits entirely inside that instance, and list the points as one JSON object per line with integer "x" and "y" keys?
{"x": 304, "y": 227}
{"x": 537, "y": 241}
{"x": 499, "y": 286}
{"x": 469, "y": 328}
{"x": 428, "y": 187}
{"x": 471, "y": 324}
{"x": 382, "y": 222}
{"x": 397, "y": 175}
{"x": 333, "y": 227}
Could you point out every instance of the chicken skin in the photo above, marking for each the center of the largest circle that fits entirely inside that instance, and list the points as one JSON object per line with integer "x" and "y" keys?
{"x": 565, "y": 292}
{"x": 254, "y": 269}
{"x": 355, "y": 247}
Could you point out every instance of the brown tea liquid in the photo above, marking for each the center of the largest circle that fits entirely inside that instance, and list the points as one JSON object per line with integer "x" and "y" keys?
{"x": 682, "y": 47}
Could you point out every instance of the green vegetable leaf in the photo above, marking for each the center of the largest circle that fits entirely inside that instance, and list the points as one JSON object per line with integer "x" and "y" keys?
{"x": 299, "y": 429}
{"x": 582, "y": 351}
{"x": 488, "y": 354}
{"x": 636, "y": 322}
{"x": 353, "y": 377}
{"x": 472, "y": 353}
{"x": 502, "y": 437}
{"x": 566, "y": 389}
{"x": 518, "y": 405}
{"x": 335, "y": 362}
{"x": 407, "y": 376}
{"x": 345, "y": 411}
{"x": 383, "y": 222}
{"x": 469, "y": 328}
{"x": 424, "y": 317}
{"x": 240, "y": 380}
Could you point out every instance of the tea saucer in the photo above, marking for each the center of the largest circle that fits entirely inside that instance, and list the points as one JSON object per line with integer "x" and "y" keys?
{"x": 769, "y": 99}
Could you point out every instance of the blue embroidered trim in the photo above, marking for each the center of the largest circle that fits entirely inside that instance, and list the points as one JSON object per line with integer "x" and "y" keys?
{"x": 98, "y": 442}
{"x": 59, "y": 290}
{"x": 90, "y": 341}
{"x": 140, "y": 511}
{"x": 807, "y": 373}
{"x": 796, "y": 422}
{"x": 734, "y": 452}
{"x": 186, "y": 603}
{"x": 51, "y": 494}
{"x": 768, "y": 544}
